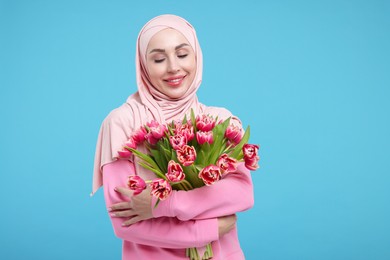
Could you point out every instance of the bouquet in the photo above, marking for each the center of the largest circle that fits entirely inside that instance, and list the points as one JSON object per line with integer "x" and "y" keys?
{"x": 188, "y": 154}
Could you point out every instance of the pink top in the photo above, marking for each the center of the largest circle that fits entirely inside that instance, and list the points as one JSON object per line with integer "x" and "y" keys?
{"x": 186, "y": 219}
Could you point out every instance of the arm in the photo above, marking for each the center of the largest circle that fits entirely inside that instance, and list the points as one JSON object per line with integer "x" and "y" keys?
{"x": 232, "y": 194}
{"x": 160, "y": 232}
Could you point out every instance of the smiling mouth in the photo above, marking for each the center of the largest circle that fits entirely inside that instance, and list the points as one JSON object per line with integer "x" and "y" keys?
{"x": 176, "y": 81}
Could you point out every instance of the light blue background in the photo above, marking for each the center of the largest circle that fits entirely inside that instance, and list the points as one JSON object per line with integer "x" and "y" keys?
{"x": 310, "y": 77}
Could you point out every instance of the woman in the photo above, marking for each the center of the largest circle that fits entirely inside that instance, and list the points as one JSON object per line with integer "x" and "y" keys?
{"x": 169, "y": 72}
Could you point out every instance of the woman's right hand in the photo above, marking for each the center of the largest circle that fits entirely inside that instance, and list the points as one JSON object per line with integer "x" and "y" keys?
{"x": 226, "y": 224}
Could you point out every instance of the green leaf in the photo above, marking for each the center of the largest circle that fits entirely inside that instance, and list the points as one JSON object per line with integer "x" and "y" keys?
{"x": 156, "y": 171}
{"x": 178, "y": 186}
{"x": 142, "y": 156}
{"x": 201, "y": 158}
{"x": 193, "y": 120}
{"x": 192, "y": 176}
{"x": 157, "y": 202}
{"x": 158, "y": 157}
{"x": 219, "y": 143}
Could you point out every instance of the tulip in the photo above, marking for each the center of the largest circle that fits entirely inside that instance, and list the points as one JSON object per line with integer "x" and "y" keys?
{"x": 131, "y": 143}
{"x": 233, "y": 133}
{"x": 251, "y": 157}
{"x": 227, "y": 164}
{"x": 153, "y": 123}
{"x": 160, "y": 189}
{"x": 136, "y": 183}
{"x": 151, "y": 139}
{"x": 124, "y": 153}
{"x": 205, "y": 123}
{"x": 158, "y": 131}
{"x": 204, "y": 137}
{"x": 139, "y": 135}
{"x": 175, "y": 172}
{"x": 250, "y": 150}
{"x": 186, "y": 130}
{"x": 177, "y": 141}
{"x": 186, "y": 155}
{"x": 252, "y": 165}
{"x": 210, "y": 174}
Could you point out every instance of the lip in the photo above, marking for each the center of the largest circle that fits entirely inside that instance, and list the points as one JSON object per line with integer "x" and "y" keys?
{"x": 175, "y": 81}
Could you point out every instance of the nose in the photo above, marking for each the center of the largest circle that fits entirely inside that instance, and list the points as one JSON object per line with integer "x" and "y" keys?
{"x": 173, "y": 66}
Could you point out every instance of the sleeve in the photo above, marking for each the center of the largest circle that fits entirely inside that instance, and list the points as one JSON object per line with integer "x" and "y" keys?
{"x": 164, "y": 232}
{"x": 111, "y": 137}
{"x": 232, "y": 194}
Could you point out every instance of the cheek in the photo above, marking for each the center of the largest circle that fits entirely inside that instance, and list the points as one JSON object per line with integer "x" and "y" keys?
{"x": 155, "y": 71}
{"x": 190, "y": 66}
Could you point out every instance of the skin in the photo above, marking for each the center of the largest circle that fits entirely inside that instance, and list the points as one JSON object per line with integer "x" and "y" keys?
{"x": 168, "y": 56}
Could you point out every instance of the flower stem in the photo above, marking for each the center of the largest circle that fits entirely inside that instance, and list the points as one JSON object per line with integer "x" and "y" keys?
{"x": 186, "y": 185}
{"x": 180, "y": 185}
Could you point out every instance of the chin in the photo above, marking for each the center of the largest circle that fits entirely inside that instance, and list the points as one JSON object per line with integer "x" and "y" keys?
{"x": 175, "y": 96}
{"x": 177, "y": 92}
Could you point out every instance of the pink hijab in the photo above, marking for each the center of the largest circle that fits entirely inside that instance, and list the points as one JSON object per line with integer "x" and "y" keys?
{"x": 147, "y": 103}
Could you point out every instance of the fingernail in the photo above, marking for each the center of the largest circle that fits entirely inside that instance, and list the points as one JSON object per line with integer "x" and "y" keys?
{"x": 113, "y": 215}
{"x": 109, "y": 209}
{"x": 123, "y": 224}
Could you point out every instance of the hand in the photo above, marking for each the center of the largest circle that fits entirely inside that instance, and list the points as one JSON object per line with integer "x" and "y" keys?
{"x": 226, "y": 224}
{"x": 137, "y": 209}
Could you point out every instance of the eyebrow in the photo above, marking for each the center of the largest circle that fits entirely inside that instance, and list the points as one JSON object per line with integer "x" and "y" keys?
{"x": 176, "y": 48}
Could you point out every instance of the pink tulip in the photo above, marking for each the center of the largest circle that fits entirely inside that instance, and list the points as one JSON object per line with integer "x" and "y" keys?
{"x": 139, "y": 135}
{"x": 136, "y": 183}
{"x": 131, "y": 143}
{"x": 160, "y": 189}
{"x": 124, "y": 153}
{"x": 250, "y": 150}
{"x": 186, "y": 155}
{"x": 151, "y": 139}
{"x": 177, "y": 141}
{"x": 251, "y": 157}
{"x": 204, "y": 137}
{"x": 157, "y": 130}
{"x": 234, "y": 133}
{"x": 153, "y": 123}
{"x": 175, "y": 172}
{"x": 210, "y": 174}
{"x": 186, "y": 130}
{"x": 227, "y": 164}
{"x": 205, "y": 123}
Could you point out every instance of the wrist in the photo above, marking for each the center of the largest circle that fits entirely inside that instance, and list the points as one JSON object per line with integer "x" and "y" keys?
{"x": 164, "y": 207}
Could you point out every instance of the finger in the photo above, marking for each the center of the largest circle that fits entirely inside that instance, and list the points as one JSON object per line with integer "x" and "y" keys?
{"x": 131, "y": 221}
{"x": 122, "y": 214}
{"x": 120, "y": 206}
{"x": 124, "y": 191}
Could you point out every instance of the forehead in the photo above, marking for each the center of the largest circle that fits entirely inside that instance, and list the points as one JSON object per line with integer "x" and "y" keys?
{"x": 166, "y": 39}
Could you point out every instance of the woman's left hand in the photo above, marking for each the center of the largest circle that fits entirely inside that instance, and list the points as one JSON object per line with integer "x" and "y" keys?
{"x": 137, "y": 209}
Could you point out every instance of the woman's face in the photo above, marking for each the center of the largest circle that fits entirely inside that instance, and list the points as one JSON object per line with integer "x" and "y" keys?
{"x": 171, "y": 63}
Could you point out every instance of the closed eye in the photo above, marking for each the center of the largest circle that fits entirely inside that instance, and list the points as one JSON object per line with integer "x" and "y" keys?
{"x": 182, "y": 56}
{"x": 159, "y": 61}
